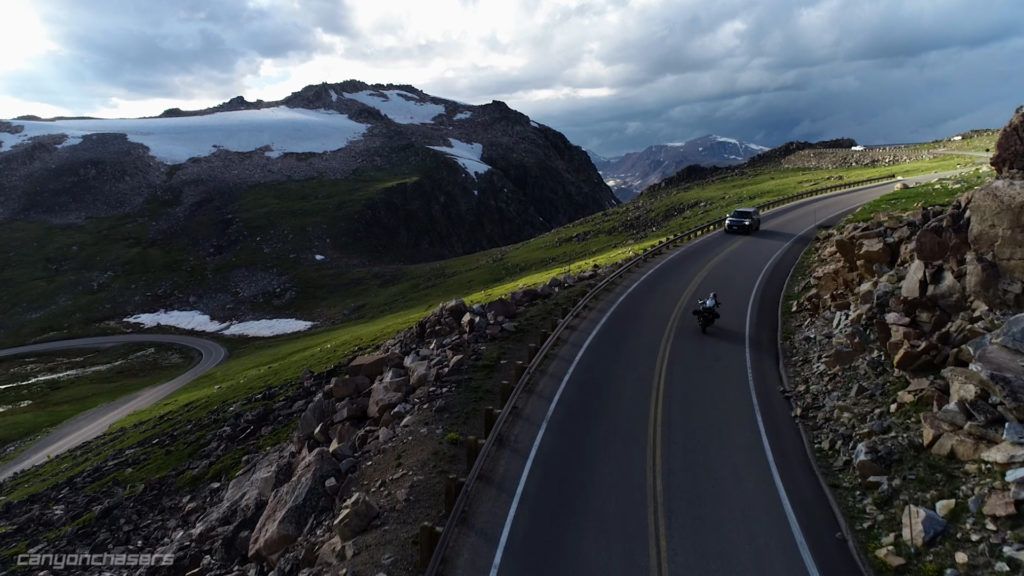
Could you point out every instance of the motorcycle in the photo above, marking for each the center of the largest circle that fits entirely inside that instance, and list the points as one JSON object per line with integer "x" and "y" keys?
{"x": 705, "y": 316}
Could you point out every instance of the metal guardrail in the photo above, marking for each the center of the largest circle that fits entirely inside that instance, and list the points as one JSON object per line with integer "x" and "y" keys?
{"x": 433, "y": 568}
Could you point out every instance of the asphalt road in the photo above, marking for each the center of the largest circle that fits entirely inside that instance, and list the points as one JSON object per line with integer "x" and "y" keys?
{"x": 646, "y": 447}
{"x": 92, "y": 423}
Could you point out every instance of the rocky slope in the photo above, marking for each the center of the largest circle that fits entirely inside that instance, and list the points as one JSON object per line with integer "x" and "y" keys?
{"x": 627, "y": 175}
{"x": 228, "y": 206}
{"x": 905, "y": 363}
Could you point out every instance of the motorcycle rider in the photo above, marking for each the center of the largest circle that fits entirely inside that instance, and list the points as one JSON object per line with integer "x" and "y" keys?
{"x": 711, "y": 303}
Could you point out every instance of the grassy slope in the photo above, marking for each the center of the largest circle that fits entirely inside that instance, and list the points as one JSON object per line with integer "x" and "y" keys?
{"x": 392, "y": 299}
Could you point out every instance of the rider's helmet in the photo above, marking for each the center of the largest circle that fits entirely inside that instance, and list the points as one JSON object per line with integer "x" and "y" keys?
{"x": 714, "y": 295}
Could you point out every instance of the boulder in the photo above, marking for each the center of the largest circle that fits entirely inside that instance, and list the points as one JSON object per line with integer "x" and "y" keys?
{"x": 930, "y": 246}
{"x": 1001, "y": 372}
{"x": 847, "y": 249}
{"x": 351, "y": 409}
{"x": 873, "y": 253}
{"x": 932, "y": 428}
{"x": 290, "y": 507}
{"x": 316, "y": 412}
{"x": 244, "y": 500}
{"x": 964, "y": 384}
{"x": 915, "y": 283}
{"x": 355, "y": 517}
{"x": 888, "y": 554}
{"x": 865, "y": 460}
{"x": 344, "y": 387}
{"x": 921, "y": 526}
{"x": 1011, "y": 334}
{"x": 420, "y": 374}
{"x": 1008, "y": 159}
{"x": 385, "y": 395}
{"x": 472, "y": 323}
{"x": 501, "y": 308}
{"x": 369, "y": 365}
{"x": 945, "y": 291}
{"x": 1000, "y": 504}
{"x": 1004, "y": 453}
{"x": 454, "y": 309}
{"x": 944, "y": 507}
{"x": 981, "y": 279}
{"x": 997, "y": 226}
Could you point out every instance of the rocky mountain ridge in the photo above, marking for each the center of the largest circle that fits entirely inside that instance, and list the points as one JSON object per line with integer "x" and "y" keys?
{"x": 224, "y": 209}
{"x": 630, "y": 173}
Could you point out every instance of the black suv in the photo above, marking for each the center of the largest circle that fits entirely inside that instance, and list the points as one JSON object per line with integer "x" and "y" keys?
{"x": 743, "y": 220}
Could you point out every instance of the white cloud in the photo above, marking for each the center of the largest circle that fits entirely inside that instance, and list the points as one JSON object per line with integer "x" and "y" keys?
{"x": 23, "y": 37}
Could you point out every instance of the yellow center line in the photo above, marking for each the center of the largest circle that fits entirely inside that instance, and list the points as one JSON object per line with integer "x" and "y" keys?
{"x": 655, "y": 485}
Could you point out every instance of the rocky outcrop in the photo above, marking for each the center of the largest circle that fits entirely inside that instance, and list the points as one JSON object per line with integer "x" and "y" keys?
{"x": 290, "y": 508}
{"x": 1009, "y": 157}
{"x": 832, "y": 158}
{"x": 997, "y": 233}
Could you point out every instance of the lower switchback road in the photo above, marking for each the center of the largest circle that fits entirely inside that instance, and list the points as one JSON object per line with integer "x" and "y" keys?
{"x": 92, "y": 423}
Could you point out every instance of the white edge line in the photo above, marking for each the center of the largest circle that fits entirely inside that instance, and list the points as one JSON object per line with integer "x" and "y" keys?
{"x": 554, "y": 402}
{"x": 794, "y": 526}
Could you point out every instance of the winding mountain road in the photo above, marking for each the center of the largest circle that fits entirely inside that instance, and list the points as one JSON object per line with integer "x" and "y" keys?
{"x": 92, "y": 423}
{"x": 645, "y": 447}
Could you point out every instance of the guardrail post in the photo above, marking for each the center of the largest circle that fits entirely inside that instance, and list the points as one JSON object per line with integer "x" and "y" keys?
{"x": 504, "y": 392}
{"x": 428, "y": 538}
{"x": 472, "y": 451}
{"x": 490, "y": 418}
{"x": 452, "y": 487}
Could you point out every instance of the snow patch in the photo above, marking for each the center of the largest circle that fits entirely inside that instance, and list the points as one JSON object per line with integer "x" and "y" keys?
{"x": 334, "y": 95}
{"x": 319, "y": 257}
{"x": 197, "y": 321}
{"x": 399, "y": 105}
{"x": 184, "y": 319}
{"x": 261, "y": 328}
{"x": 467, "y": 154}
{"x": 175, "y": 140}
{"x": 463, "y": 115}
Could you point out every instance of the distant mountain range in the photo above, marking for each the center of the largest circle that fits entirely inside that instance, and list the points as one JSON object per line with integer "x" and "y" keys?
{"x": 627, "y": 175}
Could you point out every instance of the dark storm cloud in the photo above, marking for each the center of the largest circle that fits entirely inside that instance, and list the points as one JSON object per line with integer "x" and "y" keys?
{"x": 775, "y": 71}
{"x": 131, "y": 49}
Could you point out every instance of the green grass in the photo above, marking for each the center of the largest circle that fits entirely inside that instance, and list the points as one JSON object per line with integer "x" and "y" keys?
{"x": 938, "y": 193}
{"x": 390, "y": 298}
{"x": 58, "y": 399}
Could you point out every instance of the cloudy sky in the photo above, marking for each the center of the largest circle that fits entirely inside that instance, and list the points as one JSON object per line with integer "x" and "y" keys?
{"x": 613, "y": 75}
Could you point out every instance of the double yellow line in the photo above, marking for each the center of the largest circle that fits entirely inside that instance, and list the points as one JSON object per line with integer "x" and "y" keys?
{"x": 655, "y": 485}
